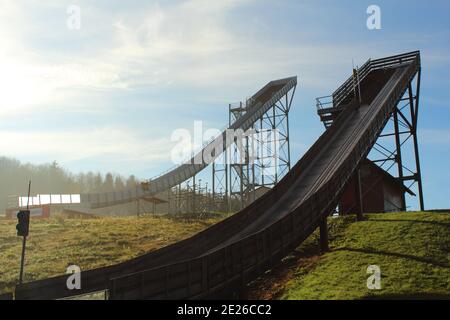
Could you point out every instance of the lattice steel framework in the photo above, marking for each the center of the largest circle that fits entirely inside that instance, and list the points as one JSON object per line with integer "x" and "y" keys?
{"x": 183, "y": 199}
{"x": 220, "y": 183}
{"x": 399, "y": 135}
{"x": 398, "y": 139}
{"x": 262, "y": 161}
{"x": 239, "y": 168}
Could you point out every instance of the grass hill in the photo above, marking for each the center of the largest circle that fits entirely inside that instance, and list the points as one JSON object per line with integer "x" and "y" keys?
{"x": 412, "y": 250}
{"x": 88, "y": 242}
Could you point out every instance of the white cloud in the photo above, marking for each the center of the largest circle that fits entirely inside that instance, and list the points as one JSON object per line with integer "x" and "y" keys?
{"x": 26, "y": 85}
{"x": 115, "y": 143}
{"x": 28, "y": 79}
{"x": 189, "y": 43}
{"x": 153, "y": 51}
{"x": 194, "y": 44}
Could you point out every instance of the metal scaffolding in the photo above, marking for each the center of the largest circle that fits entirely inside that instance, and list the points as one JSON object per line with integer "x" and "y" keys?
{"x": 239, "y": 163}
{"x": 257, "y": 157}
{"x": 260, "y": 159}
{"x": 398, "y": 138}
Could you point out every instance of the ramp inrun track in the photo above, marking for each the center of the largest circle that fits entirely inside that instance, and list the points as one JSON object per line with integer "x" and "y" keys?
{"x": 229, "y": 254}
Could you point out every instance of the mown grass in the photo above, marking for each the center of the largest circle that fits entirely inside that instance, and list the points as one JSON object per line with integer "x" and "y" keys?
{"x": 412, "y": 250}
{"x": 89, "y": 243}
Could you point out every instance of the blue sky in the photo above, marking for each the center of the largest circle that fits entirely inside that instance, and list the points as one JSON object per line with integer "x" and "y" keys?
{"x": 108, "y": 96}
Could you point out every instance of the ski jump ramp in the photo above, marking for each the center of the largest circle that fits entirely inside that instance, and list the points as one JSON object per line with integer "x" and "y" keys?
{"x": 229, "y": 254}
{"x": 257, "y": 106}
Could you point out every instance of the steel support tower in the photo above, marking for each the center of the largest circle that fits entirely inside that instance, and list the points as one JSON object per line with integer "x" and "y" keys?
{"x": 397, "y": 148}
{"x": 262, "y": 161}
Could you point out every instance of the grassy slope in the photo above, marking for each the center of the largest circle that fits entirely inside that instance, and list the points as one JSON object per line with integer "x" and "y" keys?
{"x": 412, "y": 250}
{"x": 54, "y": 244}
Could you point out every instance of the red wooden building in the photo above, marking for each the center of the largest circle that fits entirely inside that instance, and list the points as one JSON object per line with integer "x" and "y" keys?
{"x": 35, "y": 212}
{"x": 381, "y": 192}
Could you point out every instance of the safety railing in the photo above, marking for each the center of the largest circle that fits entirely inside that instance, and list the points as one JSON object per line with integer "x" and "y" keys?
{"x": 348, "y": 86}
{"x": 324, "y": 102}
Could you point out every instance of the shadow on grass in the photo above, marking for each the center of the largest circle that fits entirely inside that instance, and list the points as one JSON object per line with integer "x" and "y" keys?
{"x": 270, "y": 285}
{"x": 441, "y": 224}
{"x": 194, "y": 216}
{"x": 439, "y": 211}
{"x": 417, "y": 296}
{"x": 397, "y": 255}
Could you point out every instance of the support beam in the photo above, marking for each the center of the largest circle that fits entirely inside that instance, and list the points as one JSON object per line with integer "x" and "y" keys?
{"x": 193, "y": 194}
{"x": 399, "y": 158}
{"x": 419, "y": 174}
{"x": 359, "y": 196}
{"x": 414, "y": 109}
{"x": 220, "y": 182}
{"x": 403, "y": 116}
{"x": 214, "y": 179}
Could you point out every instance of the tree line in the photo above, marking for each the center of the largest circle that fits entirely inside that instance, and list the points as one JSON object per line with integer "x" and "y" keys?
{"x": 50, "y": 178}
